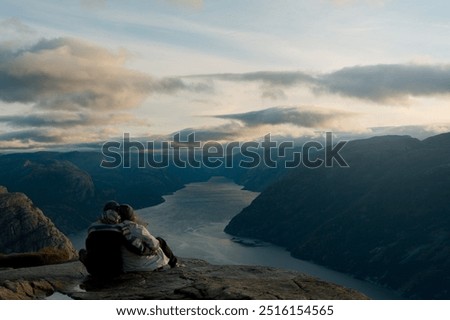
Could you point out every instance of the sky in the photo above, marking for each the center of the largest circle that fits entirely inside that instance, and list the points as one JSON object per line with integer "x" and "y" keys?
{"x": 78, "y": 73}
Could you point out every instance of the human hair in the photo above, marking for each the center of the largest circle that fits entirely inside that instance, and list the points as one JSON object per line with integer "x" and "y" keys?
{"x": 126, "y": 212}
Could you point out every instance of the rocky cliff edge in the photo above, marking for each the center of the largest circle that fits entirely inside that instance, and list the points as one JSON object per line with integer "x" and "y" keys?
{"x": 197, "y": 279}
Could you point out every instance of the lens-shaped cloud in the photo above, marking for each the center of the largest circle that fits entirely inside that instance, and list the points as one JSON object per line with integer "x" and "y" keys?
{"x": 283, "y": 121}
{"x": 300, "y": 117}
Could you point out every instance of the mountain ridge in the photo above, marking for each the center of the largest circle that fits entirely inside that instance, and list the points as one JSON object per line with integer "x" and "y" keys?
{"x": 385, "y": 218}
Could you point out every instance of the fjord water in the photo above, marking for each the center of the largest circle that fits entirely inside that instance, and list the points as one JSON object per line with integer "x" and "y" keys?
{"x": 192, "y": 221}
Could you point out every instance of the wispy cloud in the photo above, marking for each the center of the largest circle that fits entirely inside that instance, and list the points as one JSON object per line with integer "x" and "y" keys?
{"x": 388, "y": 83}
{"x": 272, "y": 83}
{"x": 58, "y": 119}
{"x": 14, "y": 26}
{"x": 93, "y": 4}
{"x": 44, "y": 120}
{"x": 196, "y": 4}
{"x": 32, "y": 136}
{"x": 349, "y": 2}
{"x": 285, "y": 115}
{"x": 225, "y": 132}
{"x": 283, "y": 121}
{"x": 14, "y": 33}
{"x": 393, "y": 83}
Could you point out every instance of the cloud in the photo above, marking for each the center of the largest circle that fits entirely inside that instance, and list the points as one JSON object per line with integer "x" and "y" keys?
{"x": 196, "y": 4}
{"x": 98, "y": 4}
{"x": 93, "y": 4}
{"x": 31, "y": 136}
{"x": 285, "y": 115}
{"x": 276, "y": 78}
{"x": 387, "y": 83}
{"x": 70, "y": 74}
{"x": 225, "y": 132}
{"x": 43, "y": 120}
{"x": 173, "y": 85}
{"x": 67, "y": 119}
{"x": 384, "y": 83}
{"x": 272, "y": 82}
{"x": 69, "y": 83}
{"x": 14, "y": 25}
{"x": 352, "y": 2}
{"x": 282, "y": 121}
{"x": 14, "y": 34}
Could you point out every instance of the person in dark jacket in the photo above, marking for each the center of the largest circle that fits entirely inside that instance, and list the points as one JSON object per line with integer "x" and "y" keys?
{"x": 103, "y": 256}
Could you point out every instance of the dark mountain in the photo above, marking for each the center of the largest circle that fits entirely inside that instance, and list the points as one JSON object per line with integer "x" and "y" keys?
{"x": 385, "y": 218}
{"x": 140, "y": 187}
{"x": 72, "y": 187}
{"x": 63, "y": 191}
{"x": 256, "y": 177}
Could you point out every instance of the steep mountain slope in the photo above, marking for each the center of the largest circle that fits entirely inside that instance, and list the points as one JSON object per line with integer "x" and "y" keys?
{"x": 64, "y": 192}
{"x": 71, "y": 188}
{"x": 26, "y": 229}
{"x": 385, "y": 218}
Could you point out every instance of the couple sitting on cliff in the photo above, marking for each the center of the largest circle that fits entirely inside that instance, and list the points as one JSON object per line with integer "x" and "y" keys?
{"x": 118, "y": 243}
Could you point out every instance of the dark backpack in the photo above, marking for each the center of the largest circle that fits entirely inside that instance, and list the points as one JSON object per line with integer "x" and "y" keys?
{"x": 103, "y": 246}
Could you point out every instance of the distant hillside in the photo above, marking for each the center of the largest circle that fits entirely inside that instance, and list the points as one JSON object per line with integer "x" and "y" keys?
{"x": 386, "y": 218}
{"x": 71, "y": 187}
{"x": 256, "y": 178}
{"x": 64, "y": 192}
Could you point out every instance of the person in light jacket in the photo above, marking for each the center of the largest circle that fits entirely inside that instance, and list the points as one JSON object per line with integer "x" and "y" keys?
{"x": 142, "y": 251}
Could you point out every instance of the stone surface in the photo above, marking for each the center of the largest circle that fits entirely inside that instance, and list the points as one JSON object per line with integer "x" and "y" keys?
{"x": 25, "y": 229}
{"x": 195, "y": 280}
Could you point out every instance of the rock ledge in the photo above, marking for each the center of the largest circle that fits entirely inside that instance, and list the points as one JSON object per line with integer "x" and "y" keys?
{"x": 196, "y": 280}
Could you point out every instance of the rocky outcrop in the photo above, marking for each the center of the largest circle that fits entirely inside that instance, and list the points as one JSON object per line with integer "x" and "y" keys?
{"x": 195, "y": 280}
{"x": 25, "y": 229}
